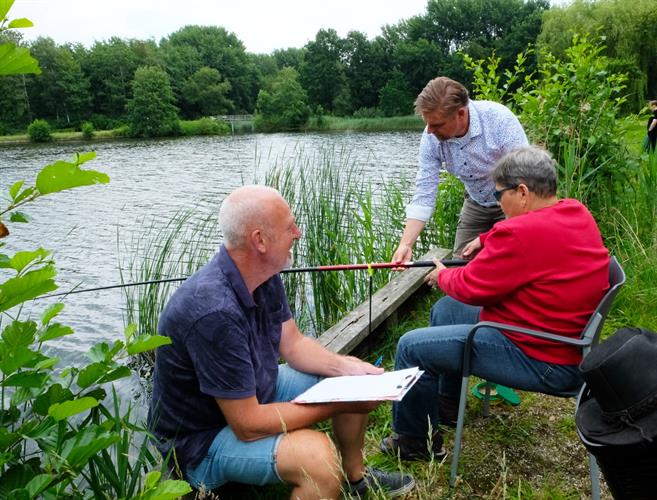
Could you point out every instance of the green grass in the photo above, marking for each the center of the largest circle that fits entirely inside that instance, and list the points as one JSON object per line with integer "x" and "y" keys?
{"x": 380, "y": 124}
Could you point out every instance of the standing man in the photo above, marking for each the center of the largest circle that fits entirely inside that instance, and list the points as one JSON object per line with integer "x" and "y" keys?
{"x": 220, "y": 403}
{"x": 465, "y": 138}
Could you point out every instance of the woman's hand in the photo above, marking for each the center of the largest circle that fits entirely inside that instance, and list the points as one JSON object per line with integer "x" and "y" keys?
{"x": 432, "y": 278}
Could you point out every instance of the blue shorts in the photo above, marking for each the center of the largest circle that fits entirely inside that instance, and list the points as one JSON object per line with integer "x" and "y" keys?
{"x": 253, "y": 462}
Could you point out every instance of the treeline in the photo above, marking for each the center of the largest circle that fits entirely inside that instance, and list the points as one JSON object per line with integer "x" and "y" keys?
{"x": 205, "y": 70}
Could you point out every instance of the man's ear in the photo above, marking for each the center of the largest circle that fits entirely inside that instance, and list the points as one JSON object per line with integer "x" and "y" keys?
{"x": 523, "y": 190}
{"x": 258, "y": 240}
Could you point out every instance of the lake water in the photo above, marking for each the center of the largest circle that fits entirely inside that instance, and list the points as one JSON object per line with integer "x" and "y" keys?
{"x": 151, "y": 181}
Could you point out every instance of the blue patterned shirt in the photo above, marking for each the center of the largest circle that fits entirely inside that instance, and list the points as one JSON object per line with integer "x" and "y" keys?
{"x": 493, "y": 131}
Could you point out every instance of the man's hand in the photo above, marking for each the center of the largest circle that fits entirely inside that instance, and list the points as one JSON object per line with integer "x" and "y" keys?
{"x": 431, "y": 279}
{"x": 471, "y": 249}
{"x": 404, "y": 253}
{"x": 354, "y": 366}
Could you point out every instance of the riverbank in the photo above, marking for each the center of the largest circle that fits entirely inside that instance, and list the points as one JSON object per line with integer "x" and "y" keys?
{"x": 198, "y": 127}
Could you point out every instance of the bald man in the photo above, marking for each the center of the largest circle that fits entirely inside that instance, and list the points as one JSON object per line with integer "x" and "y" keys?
{"x": 221, "y": 402}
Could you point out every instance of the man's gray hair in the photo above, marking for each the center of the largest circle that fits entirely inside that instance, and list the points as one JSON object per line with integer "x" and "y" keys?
{"x": 529, "y": 165}
{"x": 241, "y": 210}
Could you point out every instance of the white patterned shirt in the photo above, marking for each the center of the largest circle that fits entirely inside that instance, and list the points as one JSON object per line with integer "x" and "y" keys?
{"x": 493, "y": 131}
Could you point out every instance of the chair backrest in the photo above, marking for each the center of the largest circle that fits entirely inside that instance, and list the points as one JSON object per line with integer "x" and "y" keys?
{"x": 596, "y": 321}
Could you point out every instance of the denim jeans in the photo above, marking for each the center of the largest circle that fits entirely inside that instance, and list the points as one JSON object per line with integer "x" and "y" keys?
{"x": 438, "y": 350}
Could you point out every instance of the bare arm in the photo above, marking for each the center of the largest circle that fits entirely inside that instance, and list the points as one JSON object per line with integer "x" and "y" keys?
{"x": 412, "y": 230}
{"x": 251, "y": 420}
{"x": 653, "y": 124}
{"x": 308, "y": 355}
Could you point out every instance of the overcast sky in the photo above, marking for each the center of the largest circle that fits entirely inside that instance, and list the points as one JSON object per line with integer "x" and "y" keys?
{"x": 262, "y": 26}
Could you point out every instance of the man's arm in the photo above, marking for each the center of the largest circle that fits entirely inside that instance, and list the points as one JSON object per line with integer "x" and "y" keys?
{"x": 308, "y": 355}
{"x": 251, "y": 420}
{"x": 412, "y": 230}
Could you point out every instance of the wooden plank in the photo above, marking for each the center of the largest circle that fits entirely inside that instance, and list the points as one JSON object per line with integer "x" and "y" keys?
{"x": 345, "y": 335}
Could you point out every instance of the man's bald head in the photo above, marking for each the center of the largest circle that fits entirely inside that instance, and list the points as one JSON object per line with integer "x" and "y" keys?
{"x": 245, "y": 209}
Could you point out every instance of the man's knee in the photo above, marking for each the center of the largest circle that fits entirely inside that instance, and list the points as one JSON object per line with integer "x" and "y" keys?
{"x": 309, "y": 456}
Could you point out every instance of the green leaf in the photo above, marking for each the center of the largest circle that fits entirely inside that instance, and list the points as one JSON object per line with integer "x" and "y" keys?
{"x": 39, "y": 429}
{"x": 52, "y": 311}
{"x": 26, "y": 379}
{"x": 79, "y": 449}
{"x": 29, "y": 286}
{"x": 38, "y": 484}
{"x": 91, "y": 373}
{"x": 55, "y": 394}
{"x": 19, "y": 217}
{"x": 5, "y": 261}
{"x": 55, "y": 331}
{"x": 14, "y": 358}
{"x": 147, "y": 343}
{"x": 5, "y": 5}
{"x": 63, "y": 175}
{"x": 26, "y": 192}
{"x": 101, "y": 352}
{"x": 116, "y": 374}
{"x": 168, "y": 490}
{"x": 46, "y": 363}
{"x": 60, "y": 411}
{"x": 17, "y": 60}
{"x": 21, "y": 22}
{"x": 15, "y": 188}
{"x": 151, "y": 479}
{"x": 19, "y": 333}
{"x": 8, "y": 438}
{"x": 23, "y": 259}
{"x": 130, "y": 331}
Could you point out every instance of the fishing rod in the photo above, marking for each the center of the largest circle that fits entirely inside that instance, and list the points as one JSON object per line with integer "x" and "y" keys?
{"x": 312, "y": 269}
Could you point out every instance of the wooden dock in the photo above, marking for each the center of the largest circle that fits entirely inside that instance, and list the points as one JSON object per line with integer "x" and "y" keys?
{"x": 345, "y": 335}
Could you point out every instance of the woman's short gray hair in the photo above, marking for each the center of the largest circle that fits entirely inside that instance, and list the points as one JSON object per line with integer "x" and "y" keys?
{"x": 241, "y": 210}
{"x": 529, "y": 165}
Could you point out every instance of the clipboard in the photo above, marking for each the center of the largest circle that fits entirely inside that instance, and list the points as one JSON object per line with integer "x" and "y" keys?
{"x": 389, "y": 386}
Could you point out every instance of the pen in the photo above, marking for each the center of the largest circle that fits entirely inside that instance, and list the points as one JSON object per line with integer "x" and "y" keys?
{"x": 378, "y": 361}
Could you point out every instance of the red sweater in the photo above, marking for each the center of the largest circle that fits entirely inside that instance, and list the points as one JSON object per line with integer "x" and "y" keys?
{"x": 546, "y": 270}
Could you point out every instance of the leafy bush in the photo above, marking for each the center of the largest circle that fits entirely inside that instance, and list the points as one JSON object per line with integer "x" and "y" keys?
{"x": 571, "y": 107}
{"x": 367, "y": 113}
{"x": 88, "y": 130}
{"x": 204, "y": 126}
{"x": 59, "y": 439}
{"x": 39, "y": 131}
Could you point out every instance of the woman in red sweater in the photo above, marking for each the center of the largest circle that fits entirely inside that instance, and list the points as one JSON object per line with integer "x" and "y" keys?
{"x": 545, "y": 267}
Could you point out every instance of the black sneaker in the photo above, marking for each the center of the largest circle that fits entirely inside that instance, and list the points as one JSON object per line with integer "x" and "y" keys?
{"x": 411, "y": 448}
{"x": 393, "y": 484}
{"x": 448, "y": 411}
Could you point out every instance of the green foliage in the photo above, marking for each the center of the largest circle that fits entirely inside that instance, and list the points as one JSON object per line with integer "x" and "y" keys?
{"x": 58, "y": 439}
{"x": 88, "y": 130}
{"x": 207, "y": 93}
{"x": 629, "y": 32}
{"x": 396, "y": 97}
{"x": 151, "y": 109}
{"x": 571, "y": 106}
{"x": 283, "y": 105}
{"x": 204, "y": 126}
{"x": 14, "y": 60}
{"x": 39, "y": 131}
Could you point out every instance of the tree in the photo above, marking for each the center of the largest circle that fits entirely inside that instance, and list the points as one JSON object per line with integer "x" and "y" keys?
{"x": 193, "y": 47}
{"x": 322, "y": 72}
{"x": 151, "y": 110}
{"x": 61, "y": 92}
{"x": 628, "y": 32}
{"x": 367, "y": 67}
{"x": 283, "y": 104}
{"x": 396, "y": 97}
{"x": 206, "y": 94}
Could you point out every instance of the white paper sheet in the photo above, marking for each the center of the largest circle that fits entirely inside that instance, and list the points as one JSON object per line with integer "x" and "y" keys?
{"x": 389, "y": 386}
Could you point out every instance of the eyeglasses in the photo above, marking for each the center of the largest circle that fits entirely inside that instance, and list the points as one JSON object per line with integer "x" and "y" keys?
{"x": 498, "y": 192}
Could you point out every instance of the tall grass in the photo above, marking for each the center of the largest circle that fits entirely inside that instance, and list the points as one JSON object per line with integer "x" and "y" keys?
{"x": 343, "y": 219}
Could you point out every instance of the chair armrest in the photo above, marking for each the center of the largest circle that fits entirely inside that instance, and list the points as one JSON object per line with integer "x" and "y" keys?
{"x": 467, "y": 349}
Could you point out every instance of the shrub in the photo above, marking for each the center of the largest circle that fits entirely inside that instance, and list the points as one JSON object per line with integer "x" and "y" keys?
{"x": 367, "y": 113}
{"x": 204, "y": 126}
{"x": 39, "y": 131}
{"x": 151, "y": 109}
{"x": 88, "y": 130}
